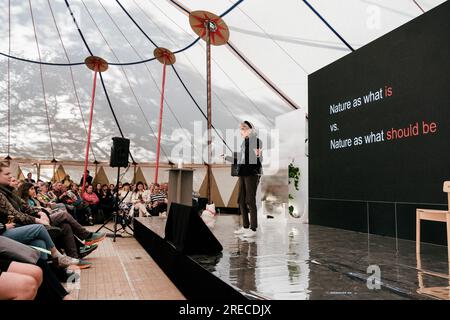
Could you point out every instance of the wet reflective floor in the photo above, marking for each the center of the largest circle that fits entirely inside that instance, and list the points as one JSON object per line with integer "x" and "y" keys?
{"x": 301, "y": 261}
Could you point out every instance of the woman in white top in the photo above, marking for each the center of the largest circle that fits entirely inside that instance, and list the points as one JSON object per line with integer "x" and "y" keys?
{"x": 139, "y": 199}
{"x": 125, "y": 199}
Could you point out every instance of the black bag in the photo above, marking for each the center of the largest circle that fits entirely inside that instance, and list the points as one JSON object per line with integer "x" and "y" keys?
{"x": 235, "y": 166}
{"x": 234, "y": 170}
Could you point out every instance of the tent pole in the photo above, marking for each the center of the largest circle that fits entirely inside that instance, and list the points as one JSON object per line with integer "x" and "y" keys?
{"x": 158, "y": 147}
{"x": 209, "y": 112}
{"x": 214, "y": 31}
{"x": 86, "y": 157}
{"x": 164, "y": 56}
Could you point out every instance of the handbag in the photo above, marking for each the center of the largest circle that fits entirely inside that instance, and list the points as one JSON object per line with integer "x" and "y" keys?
{"x": 235, "y": 166}
{"x": 235, "y": 170}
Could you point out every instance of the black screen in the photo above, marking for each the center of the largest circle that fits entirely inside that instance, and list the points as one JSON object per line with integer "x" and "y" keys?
{"x": 379, "y": 132}
{"x": 379, "y": 118}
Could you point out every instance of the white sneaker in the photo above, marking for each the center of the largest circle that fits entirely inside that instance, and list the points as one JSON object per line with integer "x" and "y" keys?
{"x": 66, "y": 261}
{"x": 241, "y": 230}
{"x": 249, "y": 233}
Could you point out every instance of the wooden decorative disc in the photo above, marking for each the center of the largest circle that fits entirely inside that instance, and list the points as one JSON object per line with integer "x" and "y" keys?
{"x": 219, "y": 32}
{"x": 165, "y": 56}
{"x": 92, "y": 61}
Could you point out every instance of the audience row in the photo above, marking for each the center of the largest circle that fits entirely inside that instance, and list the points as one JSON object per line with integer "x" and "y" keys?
{"x": 42, "y": 233}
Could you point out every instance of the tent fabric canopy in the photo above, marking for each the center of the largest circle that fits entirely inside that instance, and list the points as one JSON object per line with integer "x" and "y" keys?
{"x": 284, "y": 41}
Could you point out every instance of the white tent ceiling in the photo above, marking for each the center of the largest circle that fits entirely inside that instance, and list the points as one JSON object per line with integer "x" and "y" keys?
{"x": 284, "y": 40}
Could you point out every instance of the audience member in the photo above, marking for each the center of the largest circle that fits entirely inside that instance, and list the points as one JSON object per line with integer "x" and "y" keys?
{"x": 30, "y": 178}
{"x": 140, "y": 199}
{"x": 158, "y": 200}
{"x": 89, "y": 179}
{"x": 92, "y": 201}
{"x": 106, "y": 201}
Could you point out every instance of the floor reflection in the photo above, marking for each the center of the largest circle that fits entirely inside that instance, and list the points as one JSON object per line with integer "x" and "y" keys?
{"x": 242, "y": 271}
{"x": 439, "y": 292}
{"x": 300, "y": 261}
{"x": 271, "y": 266}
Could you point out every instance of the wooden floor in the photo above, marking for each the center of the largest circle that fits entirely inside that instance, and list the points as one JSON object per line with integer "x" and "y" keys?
{"x": 122, "y": 271}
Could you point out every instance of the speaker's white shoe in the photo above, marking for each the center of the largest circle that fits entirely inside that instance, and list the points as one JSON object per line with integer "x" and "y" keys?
{"x": 249, "y": 233}
{"x": 241, "y": 230}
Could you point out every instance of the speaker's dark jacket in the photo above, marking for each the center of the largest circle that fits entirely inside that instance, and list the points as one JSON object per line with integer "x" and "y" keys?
{"x": 246, "y": 161}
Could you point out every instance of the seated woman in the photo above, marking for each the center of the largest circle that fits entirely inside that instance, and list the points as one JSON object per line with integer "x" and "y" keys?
{"x": 106, "y": 201}
{"x": 32, "y": 232}
{"x": 23, "y": 260}
{"x": 98, "y": 189}
{"x": 158, "y": 200}
{"x": 125, "y": 214}
{"x": 82, "y": 212}
{"x": 62, "y": 219}
{"x": 91, "y": 199}
{"x": 125, "y": 203}
{"x": 140, "y": 199}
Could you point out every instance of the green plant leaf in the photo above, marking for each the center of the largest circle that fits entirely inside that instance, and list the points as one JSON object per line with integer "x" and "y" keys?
{"x": 294, "y": 175}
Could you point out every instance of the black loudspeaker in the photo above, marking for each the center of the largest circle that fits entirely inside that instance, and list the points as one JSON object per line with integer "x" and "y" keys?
{"x": 188, "y": 233}
{"x": 119, "y": 152}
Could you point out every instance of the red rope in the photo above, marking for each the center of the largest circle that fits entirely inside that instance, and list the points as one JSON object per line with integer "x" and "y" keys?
{"x": 86, "y": 158}
{"x": 160, "y": 119}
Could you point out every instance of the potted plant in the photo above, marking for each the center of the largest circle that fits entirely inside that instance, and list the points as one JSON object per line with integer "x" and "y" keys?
{"x": 294, "y": 177}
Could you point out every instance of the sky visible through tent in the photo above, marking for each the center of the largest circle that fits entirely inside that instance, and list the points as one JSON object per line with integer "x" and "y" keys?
{"x": 283, "y": 41}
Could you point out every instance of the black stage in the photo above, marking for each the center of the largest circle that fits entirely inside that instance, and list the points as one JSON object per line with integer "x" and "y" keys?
{"x": 299, "y": 262}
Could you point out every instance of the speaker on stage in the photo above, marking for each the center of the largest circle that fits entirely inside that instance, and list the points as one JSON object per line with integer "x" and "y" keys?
{"x": 119, "y": 152}
{"x": 188, "y": 233}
